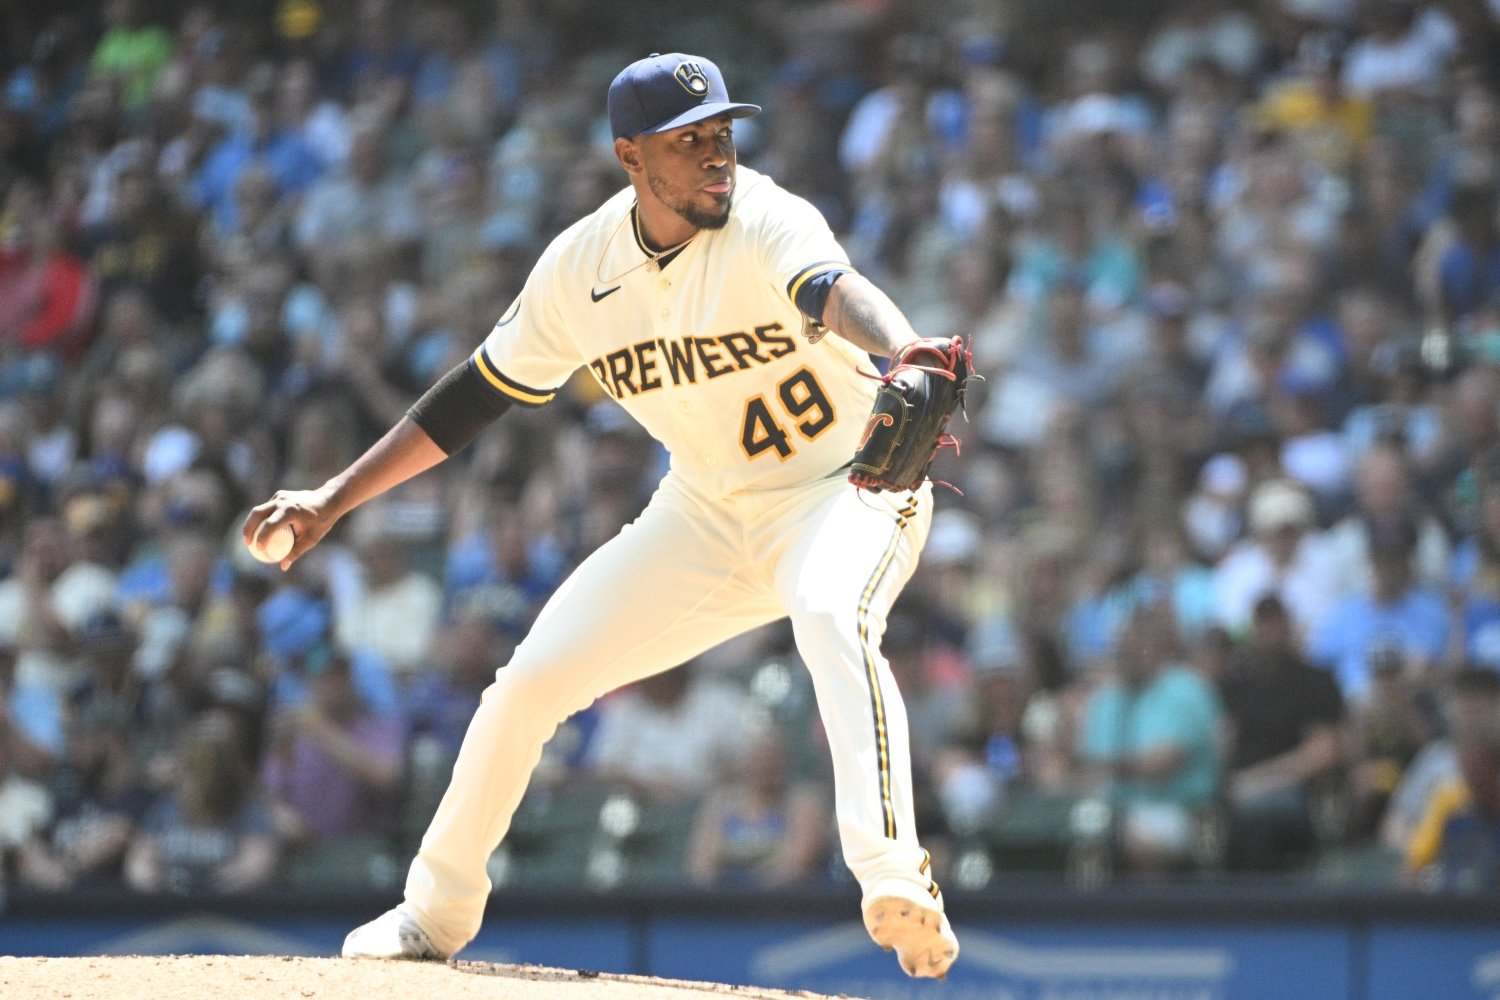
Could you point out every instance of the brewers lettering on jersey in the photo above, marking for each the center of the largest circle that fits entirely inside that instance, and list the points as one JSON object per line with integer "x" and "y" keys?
{"x": 698, "y": 298}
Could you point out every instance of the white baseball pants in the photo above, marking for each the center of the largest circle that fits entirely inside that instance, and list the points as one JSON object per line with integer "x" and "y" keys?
{"x": 686, "y": 575}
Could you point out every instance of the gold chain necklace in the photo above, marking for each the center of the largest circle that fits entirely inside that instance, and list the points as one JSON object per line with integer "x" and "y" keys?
{"x": 653, "y": 257}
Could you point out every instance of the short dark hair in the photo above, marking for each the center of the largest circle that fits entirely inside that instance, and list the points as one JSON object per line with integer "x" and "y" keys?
{"x": 1269, "y": 606}
{"x": 1478, "y": 682}
{"x": 1393, "y": 539}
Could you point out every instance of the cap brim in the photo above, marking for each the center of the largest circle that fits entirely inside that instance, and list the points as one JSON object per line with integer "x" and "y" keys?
{"x": 701, "y": 111}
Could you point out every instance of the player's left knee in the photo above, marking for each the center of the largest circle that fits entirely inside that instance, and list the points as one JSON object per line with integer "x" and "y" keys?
{"x": 531, "y": 693}
{"x": 828, "y": 620}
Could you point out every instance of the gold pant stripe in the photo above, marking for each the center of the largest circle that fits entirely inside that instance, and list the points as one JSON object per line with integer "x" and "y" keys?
{"x": 877, "y": 702}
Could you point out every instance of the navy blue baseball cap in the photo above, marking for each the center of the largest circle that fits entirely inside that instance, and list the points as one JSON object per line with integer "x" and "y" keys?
{"x": 663, "y": 92}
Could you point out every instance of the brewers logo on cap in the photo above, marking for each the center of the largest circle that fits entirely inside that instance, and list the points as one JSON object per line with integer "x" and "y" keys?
{"x": 692, "y": 78}
{"x": 663, "y": 92}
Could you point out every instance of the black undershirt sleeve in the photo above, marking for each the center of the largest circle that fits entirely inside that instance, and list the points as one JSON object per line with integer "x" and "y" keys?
{"x": 457, "y": 408}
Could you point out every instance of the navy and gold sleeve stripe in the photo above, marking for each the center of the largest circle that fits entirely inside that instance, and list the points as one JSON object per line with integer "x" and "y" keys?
{"x": 810, "y": 286}
{"x": 511, "y": 389}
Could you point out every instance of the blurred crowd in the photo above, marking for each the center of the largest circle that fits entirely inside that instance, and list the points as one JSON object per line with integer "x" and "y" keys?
{"x": 1221, "y": 592}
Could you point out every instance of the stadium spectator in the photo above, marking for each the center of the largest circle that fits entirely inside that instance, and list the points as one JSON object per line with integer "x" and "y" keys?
{"x": 1312, "y": 452}
{"x": 1212, "y": 514}
{"x": 1469, "y": 153}
{"x": 131, "y": 51}
{"x": 443, "y": 696}
{"x": 1469, "y": 436}
{"x": 388, "y": 607}
{"x": 762, "y": 829}
{"x": 25, "y": 809}
{"x": 670, "y": 736}
{"x": 173, "y": 592}
{"x": 985, "y": 755}
{"x": 1469, "y": 269}
{"x": 1171, "y": 358}
{"x": 1475, "y": 580}
{"x": 1457, "y": 845}
{"x": 332, "y": 765}
{"x": 40, "y": 91}
{"x": 1311, "y": 105}
{"x": 1149, "y": 736}
{"x": 1387, "y": 398}
{"x": 1285, "y": 736}
{"x": 1286, "y": 556}
{"x": 1166, "y": 573}
{"x": 100, "y": 795}
{"x": 111, "y": 688}
{"x": 895, "y": 123}
{"x": 47, "y": 295}
{"x": 504, "y": 564}
{"x": 1390, "y": 726}
{"x": 1064, "y": 249}
{"x": 43, "y": 604}
{"x": 1471, "y": 703}
{"x": 1384, "y": 500}
{"x": 1197, "y": 31}
{"x": 1286, "y": 344}
{"x": 264, "y": 140}
{"x": 362, "y": 369}
{"x": 1402, "y": 51}
{"x": 1070, "y": 355}
{"x": 262, "y": 223}
{"x": 53, "y": 440}
{"x": 320, "y": 120}
{"x": 378, "y": 54}
{"x": 450, "y": 190}
{"x": 363, "y": 202}
{"x": 1397, "y": 613}
{"x": 145, "y": 241}
{"x": 210, "y": 833}
{"x": 32, "y": 721}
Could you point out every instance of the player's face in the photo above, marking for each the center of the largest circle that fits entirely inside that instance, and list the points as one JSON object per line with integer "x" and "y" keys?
{"x": 691, "y": 170}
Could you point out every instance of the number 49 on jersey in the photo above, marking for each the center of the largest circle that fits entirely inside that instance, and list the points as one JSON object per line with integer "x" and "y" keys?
{"x": 804, "y": 405}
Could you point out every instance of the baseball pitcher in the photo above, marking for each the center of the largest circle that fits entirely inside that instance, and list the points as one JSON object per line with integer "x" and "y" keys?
{"x": 698, "y": 297}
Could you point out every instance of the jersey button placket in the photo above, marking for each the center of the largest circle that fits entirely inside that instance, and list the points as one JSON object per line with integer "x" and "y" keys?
{"x": 664, "y": 307}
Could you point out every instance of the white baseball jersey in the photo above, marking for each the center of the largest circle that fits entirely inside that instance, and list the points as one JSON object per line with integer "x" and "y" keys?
{"x": 753, "y": 524}
{"x": 710, "y": 353}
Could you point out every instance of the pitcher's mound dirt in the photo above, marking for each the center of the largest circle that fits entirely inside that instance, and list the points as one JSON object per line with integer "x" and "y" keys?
{"x": 212, "y": 977}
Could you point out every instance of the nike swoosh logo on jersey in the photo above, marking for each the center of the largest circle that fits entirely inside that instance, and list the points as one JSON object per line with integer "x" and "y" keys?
{"x": 596, "y": 296}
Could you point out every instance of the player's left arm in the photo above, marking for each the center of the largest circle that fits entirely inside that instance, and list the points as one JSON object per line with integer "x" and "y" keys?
{"x": 866, "y": 317}
{"x": 916, "y": 397}
{"x": 800, "y": 254}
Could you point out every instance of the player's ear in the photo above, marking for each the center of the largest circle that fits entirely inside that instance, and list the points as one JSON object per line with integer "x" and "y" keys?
{"x": 629, "y": 155}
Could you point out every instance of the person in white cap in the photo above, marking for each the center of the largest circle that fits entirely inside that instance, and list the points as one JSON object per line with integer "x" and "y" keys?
{"x": 1285, "y": 555}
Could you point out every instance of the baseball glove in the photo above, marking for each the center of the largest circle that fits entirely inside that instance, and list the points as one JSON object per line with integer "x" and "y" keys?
{"x": 916, "y": 398}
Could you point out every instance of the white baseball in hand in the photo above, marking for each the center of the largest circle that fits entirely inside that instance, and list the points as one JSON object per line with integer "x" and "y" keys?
{"x": 273, "y": 546}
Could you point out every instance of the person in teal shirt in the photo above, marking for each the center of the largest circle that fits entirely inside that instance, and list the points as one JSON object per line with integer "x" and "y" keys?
{"x": 1151, "y": 737}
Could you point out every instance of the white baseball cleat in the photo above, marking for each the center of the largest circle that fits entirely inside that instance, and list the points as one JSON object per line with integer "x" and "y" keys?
{"x": 393, "y": 934}
{"x": 923, "y": 941}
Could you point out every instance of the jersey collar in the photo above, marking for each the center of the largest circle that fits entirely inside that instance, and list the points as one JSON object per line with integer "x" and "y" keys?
{"x": 645, "y": 245}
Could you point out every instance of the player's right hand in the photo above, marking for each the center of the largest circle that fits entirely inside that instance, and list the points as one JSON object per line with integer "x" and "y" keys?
{"x": 311, "y": 514}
